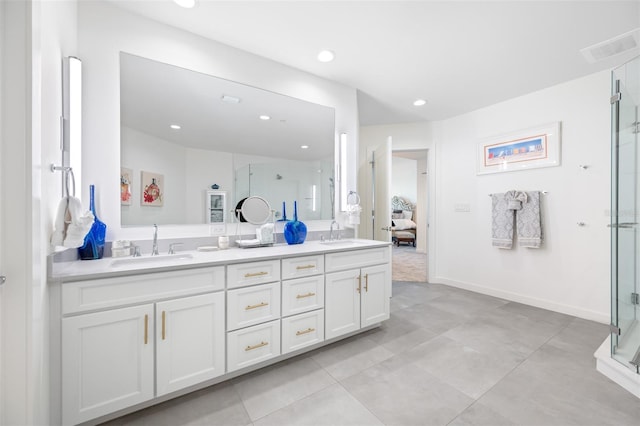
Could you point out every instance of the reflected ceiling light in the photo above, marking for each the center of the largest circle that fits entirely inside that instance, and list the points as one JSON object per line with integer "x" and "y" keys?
{"x": 326, "y": 56}
{"x": 230, "y": 99}
{"x": 419, "y": 102}
{"x": 265, "y": 117}
{"x": 304, "y": 146}
{"x": 175, "y": 127}
{"x": 188, "y": 4}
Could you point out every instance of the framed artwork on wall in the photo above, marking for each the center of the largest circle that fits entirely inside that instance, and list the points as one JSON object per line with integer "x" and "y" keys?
{"x": 126, "y": 182}
{"x": 152, "y": 189}
{"x": 525, "y": 149}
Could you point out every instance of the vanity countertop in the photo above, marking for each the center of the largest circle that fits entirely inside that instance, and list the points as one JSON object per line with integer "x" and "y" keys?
{"x": 112, "y": 267}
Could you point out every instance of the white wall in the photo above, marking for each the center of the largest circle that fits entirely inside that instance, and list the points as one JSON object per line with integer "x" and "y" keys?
{"x": 37, "y": 35}
{"x": 570, "y": 273}
{"x": 404, "y": 181}
{"x": 105, "y": 30}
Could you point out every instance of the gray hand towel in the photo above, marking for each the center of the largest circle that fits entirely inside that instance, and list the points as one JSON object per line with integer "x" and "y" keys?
{"x": 501, "y": 222}
{"x": 528, "y": 221}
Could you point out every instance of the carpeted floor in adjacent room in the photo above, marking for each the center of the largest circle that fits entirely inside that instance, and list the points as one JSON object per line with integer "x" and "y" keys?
{"x": 408, "y": 265}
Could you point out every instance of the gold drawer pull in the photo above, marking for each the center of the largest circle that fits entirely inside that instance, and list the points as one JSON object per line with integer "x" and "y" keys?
{"x": 359, "y": 278}
{"x": 302, "y": 296}
{"x": 305, "y": 267}
{"x": 255, "y": 274}
{"x": 164, "y": 325}
{"x": 259, "y": 305}
{"x": 259, "y": 345}
{"x": 366, "y": 282}
{"x": 146, "y": 329}
{"x": 308, "y": 330}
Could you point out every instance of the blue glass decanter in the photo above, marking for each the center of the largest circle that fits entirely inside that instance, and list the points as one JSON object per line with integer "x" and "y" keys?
{"x": 93, "y": 247}
{"x": 295, "y": 231}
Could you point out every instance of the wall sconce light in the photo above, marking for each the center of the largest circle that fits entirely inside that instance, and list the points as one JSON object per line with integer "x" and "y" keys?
{"x": 343, "y": 172}
{"x": 72, "y": 116}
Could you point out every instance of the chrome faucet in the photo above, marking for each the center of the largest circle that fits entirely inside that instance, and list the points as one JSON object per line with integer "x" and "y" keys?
{"x": 154, "y": 250}
{"x": 331, "y": 230}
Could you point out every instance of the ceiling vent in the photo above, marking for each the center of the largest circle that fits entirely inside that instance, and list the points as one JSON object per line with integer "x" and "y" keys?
{"x": 614, "y": 46}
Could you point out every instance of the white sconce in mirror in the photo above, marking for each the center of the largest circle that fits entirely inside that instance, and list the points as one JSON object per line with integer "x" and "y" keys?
{"x": 343, "y": 172}
{"x": 72, "y": 117}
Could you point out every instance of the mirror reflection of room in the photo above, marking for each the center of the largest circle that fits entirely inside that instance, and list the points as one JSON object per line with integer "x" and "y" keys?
{"x": 200, "y": 130}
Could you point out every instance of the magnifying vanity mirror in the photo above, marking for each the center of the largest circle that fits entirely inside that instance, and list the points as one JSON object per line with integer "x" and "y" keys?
{"x": 255, "y": 210}
{"x": 184, "y": 132}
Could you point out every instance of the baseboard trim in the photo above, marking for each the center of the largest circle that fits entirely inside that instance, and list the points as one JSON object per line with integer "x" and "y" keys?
{"x": 575, "y": 311}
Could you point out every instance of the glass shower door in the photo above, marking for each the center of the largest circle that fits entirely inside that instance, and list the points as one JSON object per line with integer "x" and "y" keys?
{"x": 625, "y": 244}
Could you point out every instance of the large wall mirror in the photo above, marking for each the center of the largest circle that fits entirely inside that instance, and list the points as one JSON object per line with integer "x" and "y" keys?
{"x": 183, "y": 132}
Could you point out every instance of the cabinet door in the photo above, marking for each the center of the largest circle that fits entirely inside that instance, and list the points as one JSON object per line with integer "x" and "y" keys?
{"x": 375, "y": 294}
{"x": 107, "y": 362}
{"x": 190, "y": 341}
{"x": 342, "y": 303}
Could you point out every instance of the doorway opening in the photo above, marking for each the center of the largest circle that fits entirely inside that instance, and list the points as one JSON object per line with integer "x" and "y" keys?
{"x": 409, "y": 212}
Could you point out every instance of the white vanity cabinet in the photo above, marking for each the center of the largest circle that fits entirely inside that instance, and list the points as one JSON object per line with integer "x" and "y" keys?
{"x": 358, "y": 294}
{"x": 253, "y": 313}
{"x": 107, "y": 362}
{"x": 123, "y": 355}
{"x": 302, "y": 302}
{"x": 129, "y": 339}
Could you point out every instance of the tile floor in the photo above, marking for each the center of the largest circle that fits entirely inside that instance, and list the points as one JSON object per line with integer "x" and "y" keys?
{"x": 446, "y": 357}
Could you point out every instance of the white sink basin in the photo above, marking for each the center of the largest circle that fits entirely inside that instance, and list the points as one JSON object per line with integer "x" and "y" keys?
{"x": 152, "y": 260}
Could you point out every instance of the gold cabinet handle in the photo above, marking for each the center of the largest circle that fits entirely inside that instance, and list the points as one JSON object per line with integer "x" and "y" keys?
{"x": 305, "y": 267}
{"x": 255, "y": 274}
{"x": 302, "y": 296}
{"x": 259, "y": 305}
{"x": 164, "y": 329}
{"x": 307, "y": 331}
{"x": 359, "y": 278}
{"x": 366, "y": 282}
{"x": 146, "y": 329}
{"x": 259, "y": 345}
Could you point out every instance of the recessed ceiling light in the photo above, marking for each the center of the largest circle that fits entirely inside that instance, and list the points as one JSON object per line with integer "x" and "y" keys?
{"x": 419, "y": 102}
{"x": 326, "y": 56}
{"x": 230, "y": 99}
{"x": 265, "y": 117}
{"x": 175, "y": 127}
{"x": 304, "y": 146}
{"x": 188, "y": 4}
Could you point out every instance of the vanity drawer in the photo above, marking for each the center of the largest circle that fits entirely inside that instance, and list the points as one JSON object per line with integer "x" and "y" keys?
{"x": 252, "y": 345}
{"x": 82, "y": 296}
{"x": 302, "y": 330}
{"x": 302, "y": 295}
{"x": 357, "y": 258}
{"x": 243, "y": 274}
{"x": 296, "y": 267}
{"x": 252, "y": 305}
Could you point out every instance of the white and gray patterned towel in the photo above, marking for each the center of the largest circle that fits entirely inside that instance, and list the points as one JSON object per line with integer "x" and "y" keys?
{"x": 528, "y": 221}
{"x": 515, "y": 199}
{"x": 501, "y": 222}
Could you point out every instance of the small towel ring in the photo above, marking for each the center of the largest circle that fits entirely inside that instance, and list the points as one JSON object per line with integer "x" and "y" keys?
{"x": 67, "y": 172}
{"x": 357, "y": 198}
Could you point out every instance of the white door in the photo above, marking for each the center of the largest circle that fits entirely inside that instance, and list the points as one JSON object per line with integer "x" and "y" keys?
{"x": 342, "y": 303}
{"x": 376, "y": 293}
{"x": 381, "y": 197}
{"x": 190, "y": 341}
{"x": 107, "y": 362}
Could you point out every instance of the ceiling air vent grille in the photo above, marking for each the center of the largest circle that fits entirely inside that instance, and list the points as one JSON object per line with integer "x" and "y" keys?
{"x": 620, "y": 44}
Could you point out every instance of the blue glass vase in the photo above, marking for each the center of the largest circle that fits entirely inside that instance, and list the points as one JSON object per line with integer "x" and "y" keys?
{"x": 295, "y": 231}
{"x": 93, "y": 247}
{"x": 284, "y": 213}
